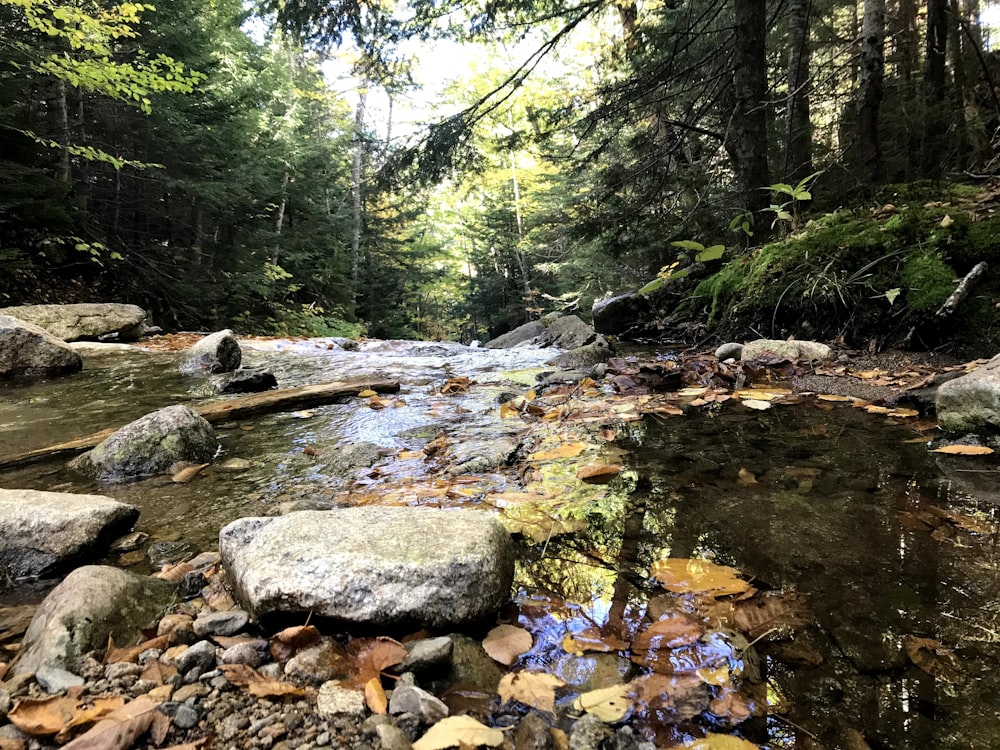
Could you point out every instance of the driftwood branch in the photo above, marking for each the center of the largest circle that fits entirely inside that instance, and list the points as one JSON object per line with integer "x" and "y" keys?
{"x": 962, "y": 290}
{"x": 242, "y": 407}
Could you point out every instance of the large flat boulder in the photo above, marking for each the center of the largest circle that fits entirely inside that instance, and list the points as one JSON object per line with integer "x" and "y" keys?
{"x": 27, "y": 350}
{"x": 792, "y": 350}
{"x": 621, "y": 315}
{"x": 92, "y": 603}
{"x": 84, "y": 321}
{"x": 522, "y": 335}
{"x": 372, "y": 565}
{"x": 555, "y": 329}
{"x": 40, "y": 531}
{"x": 216, "y": 353}
{"x": 971, "y": 403}
{"x": 150, "y": 445}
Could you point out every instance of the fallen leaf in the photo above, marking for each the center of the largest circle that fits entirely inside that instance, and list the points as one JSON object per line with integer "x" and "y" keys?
{"x": 599, "y": 473}
{"x": 685, "y": 576}
{"x": 903, "y": 413}
{"x": 756, "y": 405}
{"x": 157, "y": 672}
{"x": 762, "y": 394}
{"x": 113, "y": 655}
{"x": 592, "y": 639}
{"x": 964, "y": 450}
{"x": 566, "y": 450}
{"x": 174, "y": 572}
{"x": 7, "y": 743}
{"x": 932, "y": 657}
{"x": 256, "y": 684}
{"x": 681, "y": 695}
{"x": 833, "y": 397}
{"x": 610, "y": 704}
{"x": 731, "y": 706}
{"x": 367, "y": 393}
{"x": 458, "y": 731}
{"x": 673, "y": 630}
{"x": 288, "y": 642}
{"x": 188, "y": 473}
{"x": 304, "y": 414}
{"x": 505, "y": 643}
{"x": 969, "y": 523}
{"x": 119, "y": 729}
{"x": 456, "y": 385}
{"x": 373, "y": 656}
{"x": 535, "y": 689}
{"x": 607, "y": 434}
{"x": 746, "y": 477}
{"x": 713, "y": 741}
{"x": 375, "y": 696}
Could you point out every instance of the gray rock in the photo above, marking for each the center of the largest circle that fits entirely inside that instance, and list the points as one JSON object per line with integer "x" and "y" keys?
{"x": 333, "y": 700}
{"x": 583, "y": 356}
{"x": 472, "y": 666}
{"x": 409, "y": 699}
{"x": 5, "y": 703}
{"x": 569, "y": 332}
{"x": 150, "y": 445}
{"x": 534, "y": 734}
{"x": 589, "y": 733}
{"x": 971, "y": 403}
{"x": 200, "y": 655}
{"x": 230, "y": 622}
{"x": 315, "y": 664}
{"x": 621, "y": 315}
{"x": 248, "y": 652}
{"x": 121, "y": 669}
{"x": 27, "y": 350}
{"x": 79, "y": 614}
{"x": 214, "y": 354}
{"x": 129, "y": 542}
{"x": 794, "y": 351}
{"x": 392, "y": 738}
{"x": 342, "y": 460}
{"x": 89, "y": 320}
{"x": 372, "y": 564}
{"x": 41, "y": 531}
{"x": 731, "y": 350}
{"x": 55, "y": 680}
{"x": 523, "y": 334}
{"x": 425, "y": 653}
{"x": 245, "y": 380}
{"x": 186, "y": 717}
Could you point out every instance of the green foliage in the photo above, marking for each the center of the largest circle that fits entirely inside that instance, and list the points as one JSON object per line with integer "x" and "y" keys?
{"x": 928, "y": 281}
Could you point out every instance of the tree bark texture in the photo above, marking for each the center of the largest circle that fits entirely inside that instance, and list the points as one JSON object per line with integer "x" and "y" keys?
{"x": 870, "y": 89}
{"x": 935, "y": 86}
{"x": 747, "y": 142}
{"x": 356, "y": 215}
{"x": 798, "y": 153}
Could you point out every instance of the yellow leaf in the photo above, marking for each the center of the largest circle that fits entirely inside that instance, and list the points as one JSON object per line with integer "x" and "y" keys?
{"x": 535, "y": 689}
{"x": 685, "y": 576}
{"x": 691, "y": 392}
{"x": 751, "y": 403}
{"x": 566, "y": 450}
{"x": 505, "y": 643}
{"x": 715, "y": 676}
{"x": 367, "y": 393}
{"x": 530, "y": 396}
{"x": 947, "y": 221}
{"x": 903, "y": 413}
{"x": 746, "y": 477}
{"x": 763, "y": 394}
{"x": 717, "y": 742}
{"x": 455, "y": 731}
{"x": 608, "y": 704}
{"x": 375, "y": 697}
{"x": 599, "y": 473}
{"x": 833, "y": 397}
{"x": 508, "y": 409}
{"x": 964, "y": 450}
{"x": 873, "y": 409}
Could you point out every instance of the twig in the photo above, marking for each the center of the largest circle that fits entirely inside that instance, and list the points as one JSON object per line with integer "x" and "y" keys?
{"x": 962, "y": 290}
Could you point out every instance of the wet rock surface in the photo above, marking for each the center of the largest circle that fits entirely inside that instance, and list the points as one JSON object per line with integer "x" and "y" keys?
{"x": 971, "y": 403}
{"x": 217, "y": 353}
{"x": 27, "y": 350}
{"x": 92, "y": 320}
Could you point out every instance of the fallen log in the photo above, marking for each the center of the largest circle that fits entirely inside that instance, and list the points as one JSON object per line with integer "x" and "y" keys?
{"x": 242, "y": 407}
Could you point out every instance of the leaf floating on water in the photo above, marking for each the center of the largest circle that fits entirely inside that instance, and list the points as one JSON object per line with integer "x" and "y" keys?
{"x": 593, "y": 639}
{"x": 188, "y": 473}
{"x": 256, "y": 684}
{"x": 458, "y": 731}
{"x": 305, "y": 414}
{"x": 505, "y": 643}
{"x": 756, "y": 405}
{"x": 456, "y": 385}
{"x": 535, "y": 689}
{"x": 932, "y": 657}
{"x": 690, "y": 576}
{"x": 673, "y": 630}
{"x": 713, "y": 741}
{"x": 835, "y": 397}
{"x": 599, "y": 473}
{"x": 566, "y": 450}
{"x": 367, "y": 393}
{"x": 610, "y": 704}
{"x": 964, "y": 450}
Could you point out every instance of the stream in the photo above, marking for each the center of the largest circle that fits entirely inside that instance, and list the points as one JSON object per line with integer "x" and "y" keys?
{"x": 847, "y": 510}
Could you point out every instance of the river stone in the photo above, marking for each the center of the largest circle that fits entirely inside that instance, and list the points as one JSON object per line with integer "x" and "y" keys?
{"x": 151, "y": 445}
{"x": 732, "y": 349}
{"x": 372, "y": 565}
{"x": 582, "y": 357}
{"x": 568, "y": 332}
{"x": 89, "y": 320}
{"x": 40, "y": 531}
{"x": 245, "y": 380}
{"x": 794, "y": 351}
{"x": 971, "y": 403}
{"x": 216, "y": 353}
{"x": 79, "y": 614}
{"x": 621, "y": 315}
{"x": 523, "y": 334}
{"x": 26, "y": 349}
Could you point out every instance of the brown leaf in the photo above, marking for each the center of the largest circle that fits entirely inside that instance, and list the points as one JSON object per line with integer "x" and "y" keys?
{"x": 14, "y": 621}
{"x": 456, "y": 385}
{"x": 256, "y": 684}
{"x": 731, "y": 706}
{"x": 964, "y": 450}
{"x": 118, "y": 730}
{"x": 372, "y": 656}
{"x": 288, "y": 642}
{"x": 157, "y": 672}
{"x": 8, "y": 744}
{"x": 593, "y": 639}
{"x": 932, "y": 657}
{"x": 375, "y": 696}
{"x": 566, "y": 450}
{"x": 535, "y": 689}
{"x": 188, "y": 473}
{"x": 694, "y": 575}
{"x": 113, "y": 655}
{"x": 45, "y": 716}
{"x": 673, "y": 630}
{"x": 175, "y": 572}
{"x": 784, "y": 612}
{"x": 505, "y": 643}
{"x": 599, "y": 473}
{"x": 685, "y": 695}
{"x": 745, "y": 476}
{"x": 159, "y": 727}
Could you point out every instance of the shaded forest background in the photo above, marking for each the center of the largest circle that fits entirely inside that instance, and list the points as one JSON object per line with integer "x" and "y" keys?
{"x": 193, "y": 158}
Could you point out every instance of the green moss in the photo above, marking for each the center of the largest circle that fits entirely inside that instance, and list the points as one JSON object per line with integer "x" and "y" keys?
{"x": 927, "y": 281}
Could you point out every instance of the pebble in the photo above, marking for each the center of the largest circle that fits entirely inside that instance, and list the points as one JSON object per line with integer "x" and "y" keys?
{"x": 200, "y": 656}
{"x": 426, "y": 653}
{"x": 181, "y": 627}
{"x": 248, "y": 652}
{"x": 409, "y": 699}
{"x": 55, "y": 680}
{"x": 120, "y": 669}
{"x": 5, "y": 702}
{"x": 334, "y": 700}
{"x": 392, "y": 737}
{"x": 196, "y": 690}
{"x": 186, "y": 717}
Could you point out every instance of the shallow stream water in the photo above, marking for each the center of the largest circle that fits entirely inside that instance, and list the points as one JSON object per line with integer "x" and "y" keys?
{"x": 818, "y": 499}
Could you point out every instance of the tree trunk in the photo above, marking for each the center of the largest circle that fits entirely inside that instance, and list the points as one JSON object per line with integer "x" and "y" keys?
{"x": 356, "y": 217}
{"x": 907, "y": 40}
{"x": 62, "y": 113}
{"x": 747, "y": 145}
{"x": 961, "y": 89}
{"x": 870, "y": 90}
{"x": 935, "y": 86}
{"x": 798, "y": 153}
